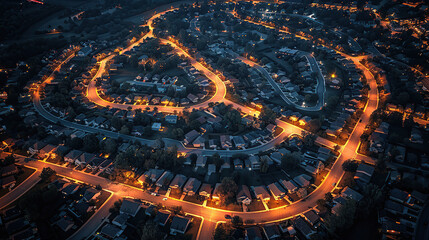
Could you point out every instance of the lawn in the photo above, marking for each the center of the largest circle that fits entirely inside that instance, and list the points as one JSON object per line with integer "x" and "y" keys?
{"x": 229, "y": 207}
{"x": 277, "y": 203}
{"x": 255, "y": 205}
{"x": 194, "y": 227}
{"x": 293, "y": 196}
{"x": 346, "y": 180}
{"x": 277, "y": 131}
{"x": 193, "y": 199}
{"x": 320, "y": 177}
{"x": 175, "y": 193}
{"x": 102, "y": 198}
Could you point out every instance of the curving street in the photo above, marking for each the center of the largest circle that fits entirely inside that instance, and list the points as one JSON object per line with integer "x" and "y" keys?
{"x": 211, "y": 215}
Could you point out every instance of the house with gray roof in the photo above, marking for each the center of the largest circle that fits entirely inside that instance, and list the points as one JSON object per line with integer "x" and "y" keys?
{"x": 178, "y": 181}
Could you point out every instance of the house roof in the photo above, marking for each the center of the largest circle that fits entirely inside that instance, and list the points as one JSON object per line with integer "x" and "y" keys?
{"x": 276, "y": 156}
{"x": 199, "y": 140}
{"x": 366, "y": 169}
{"x": 276, "y": 189}
{"x": 111, "y": 231}
{"x": 47, "y": 149}
{"x": 205, "y": 187}
{"x": 302, "y": 226}
{"x": 289, "y": 185}
{"x": 154, "y": 174}
{"x": 254, "y": 233}
{"x": 399, "y": 194}
{"x": 178, "y": 181}
{"x": 302, "y": 180}
{"x": 165, "y": 178}
{"x": 38, "y": 145}
{"x": 352, "y": 194}
{"x": 70, "y": 188}
{"x": 73, "y": 154}
{"x": 180, "y": 223}
{"x": 82, "y": 208}
{"x": 90, "y": 193}
{"x": 86, "y": 157}
{"x": 271, "y": 231}
{"x": 190, "y": 136}
{"x": 130, "y": 207}
{"x": 394, "y": 206}
{"x": 162, "y": 217}
{"x": 121, "y": 219}
{"x": 312, "y": 217}
{"x": 260, "y": 190}
{"x": 243, "y": 192}
{"x": 96, "y": 161}
{"x": 61, "y": 150}
{"x": 192, "y": 185}
{"x": 65, "y": 223}
{"x": 254, "y": 159}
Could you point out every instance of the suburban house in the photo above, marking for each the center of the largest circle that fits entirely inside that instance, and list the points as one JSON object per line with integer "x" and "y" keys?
{"x": 178, "y": 181}
{"x": 312, "y": 217}
{"x": 72, "y": 156}
{"x": 156, "y": 127}
{"x": 271, "y": 128}
{"x": 84, "y": 159}
{"x": 276, "y": 157}
{"x": 36, "y": 147}
{"x": 254, "y": 233}
{"x": 46, "y": 150}
{"x": 276, "y": 190}
{"x": 199, "y": 142}
{"x": 201, "y": 161}
{"x": 165, "y": 179}
{"x": 70, "y": 189}
{"x": 216, "y": 194}
{"x": 303, "y": 227}
{"x": 261, "y": 193}
{"x": 225, "y": 141}
{"x": 271, "y": 231}
{"x": 111, "y": 231}
{"x": 190, "y": 137}
{"x": 191, "y": 186}
{"x": 206, "y": 190}
{"x": 172, "y": 119}
{"x": 351, "y": 194}
{"x": 120, "y": 220}
{"x": 154, "y": 174}
{"x": 91, "y": 194}
{"x": 243, "y": 195}
{"x": 302, "y": 180}
{"x": 364, "y": 173}
{"x": 255, "y": 162}
{"x": 290, "y": 186}
{"x": 130, "y": 207}
{"x": 211, "y": 168}
{"x": 179, "y": 225}
{"x": 162, "y": 217}
{"x": 239, "y": 142}
{"x": 94, "y": 163}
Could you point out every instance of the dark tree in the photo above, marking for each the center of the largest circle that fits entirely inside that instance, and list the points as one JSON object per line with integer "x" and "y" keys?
{"x": 350, "y": 166}
{"x": 47, "y": 173}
